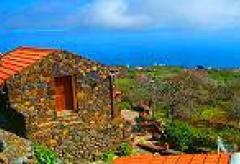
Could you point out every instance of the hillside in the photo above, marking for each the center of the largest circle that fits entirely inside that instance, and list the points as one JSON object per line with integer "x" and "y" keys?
{"x": 206, "y": 102}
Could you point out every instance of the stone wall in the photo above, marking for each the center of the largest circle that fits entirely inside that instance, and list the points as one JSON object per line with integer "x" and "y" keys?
{"x": 15, "y": 148}
{"x": 32, "y": 92}
{"x": 75, "y": 142}
{"x": 92, "y": 86}
{"x": 87, "y": 131}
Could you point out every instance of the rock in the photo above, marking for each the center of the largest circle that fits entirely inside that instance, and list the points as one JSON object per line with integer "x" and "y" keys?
{"x": 3, "y": 145}
{"x": 21, "y": 160}
{"x": 16, "y": 148}
{"x": 59, "y": 161}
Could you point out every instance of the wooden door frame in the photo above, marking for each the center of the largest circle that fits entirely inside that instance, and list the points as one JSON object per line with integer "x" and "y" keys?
{"x": 73, "y": 83}
{"x": 73, "y": 80}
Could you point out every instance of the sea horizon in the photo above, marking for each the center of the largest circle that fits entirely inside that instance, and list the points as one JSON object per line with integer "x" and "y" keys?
{"x": 142, "y": 48}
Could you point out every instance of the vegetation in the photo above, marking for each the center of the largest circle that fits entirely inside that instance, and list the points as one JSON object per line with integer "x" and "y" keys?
{"x": 188, "y": 138}
{"x": 234, "y": 110}
{"x": 123, "y": 150}
{"x": 223, "y": 76}
{"x": 202, "y": 104}
{"x": 109, "y": 156}
{"x": 44, "y": 155}
{"x": 163, "y": 72}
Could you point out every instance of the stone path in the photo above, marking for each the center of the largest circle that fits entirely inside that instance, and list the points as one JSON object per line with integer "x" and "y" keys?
{"x": 138, "y": 140}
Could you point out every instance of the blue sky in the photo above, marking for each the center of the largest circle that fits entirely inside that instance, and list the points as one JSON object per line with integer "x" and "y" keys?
{"x": 177, "y": 32}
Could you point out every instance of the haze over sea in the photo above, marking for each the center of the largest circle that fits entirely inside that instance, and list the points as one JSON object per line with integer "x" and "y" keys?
{"x": 136, "y": 48}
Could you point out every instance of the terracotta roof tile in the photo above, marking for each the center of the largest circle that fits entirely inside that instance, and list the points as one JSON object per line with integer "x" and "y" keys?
{"x": 15, "y": 61}
{"x": 26, "y": 56}
{"x": 224, "y": 158}
{"x": 22, "y": 60}
{"x": 212, "y": 158}
{"x": 198, "y": 159}
{"x": 179, "y": 159}
{"x": 171, "y": 159}
{"x": 158, "y": 160}
{"x": 6, "y": 71}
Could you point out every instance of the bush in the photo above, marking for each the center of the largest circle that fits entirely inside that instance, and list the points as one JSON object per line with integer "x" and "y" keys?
{"x": 180, "y": 134}
{"x": 204, "y": 138}
{"x": 187, "y": 138}
{"x": 207, "y": 113}
{"x": 230, "y": 135}
{"x": 125, "y": 105}
{"x": 124, "y": 150}
{"x": 44, "y": 155}
{"x": 108, "y": 156}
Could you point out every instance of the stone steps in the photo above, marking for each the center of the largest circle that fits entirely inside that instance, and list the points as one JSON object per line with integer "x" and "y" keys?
{"x": 66, "y": 116}
{"x": 72, "y": 123}
{"x": 46, "y": 128}
{"x": 69, "y": 119}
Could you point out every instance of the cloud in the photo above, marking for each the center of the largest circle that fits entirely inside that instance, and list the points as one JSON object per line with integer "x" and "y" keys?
{"x": 162, "y": 13}
{"x": 113, "y": 14}
{"x": 125, "y": 14}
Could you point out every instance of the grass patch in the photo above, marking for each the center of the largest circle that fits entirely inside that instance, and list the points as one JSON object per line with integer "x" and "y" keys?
{"x": 44, "y": 155}
{"x": 163, "y": 72}
{"x": 223, "y": 76}
{"x": 123, "y": 150}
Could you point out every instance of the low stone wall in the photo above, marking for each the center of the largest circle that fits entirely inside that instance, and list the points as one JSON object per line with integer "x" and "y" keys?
{"x": 15, "y": 149}
{"x": 75, "y": 142}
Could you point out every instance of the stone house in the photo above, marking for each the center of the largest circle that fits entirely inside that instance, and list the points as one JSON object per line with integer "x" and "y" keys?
{"x": 60, "y": 99}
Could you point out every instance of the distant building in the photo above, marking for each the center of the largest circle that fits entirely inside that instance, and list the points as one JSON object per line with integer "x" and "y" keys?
{"x": 1, "y": 55}
{"x": 200, "y": 67}
{"x": 139, "y": 68}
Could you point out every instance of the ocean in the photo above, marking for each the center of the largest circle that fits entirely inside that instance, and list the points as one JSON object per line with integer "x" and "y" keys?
{"x": 135, "y": 48}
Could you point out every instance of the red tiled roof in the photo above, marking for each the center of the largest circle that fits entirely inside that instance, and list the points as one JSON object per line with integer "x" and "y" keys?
{"x": 15, "y": 61}
{"x": 179, "y": 159}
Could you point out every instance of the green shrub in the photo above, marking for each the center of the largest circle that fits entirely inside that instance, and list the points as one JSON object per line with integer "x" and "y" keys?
{"x": 124, "y": 150}
{"x": 230, "y": 135}
{"x": 44, "y": 155}
{"x": 108, "y": 156}
{"x": 125, "y": 105}
{"x": 206, "y": 113}
{"x": 180, "y": 134}
{"x": 204, "y": 138}
{"x": 187, "y": 138}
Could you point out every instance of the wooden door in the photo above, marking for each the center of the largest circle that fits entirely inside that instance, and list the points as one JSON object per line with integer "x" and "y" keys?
{"x": 63, "y": 93}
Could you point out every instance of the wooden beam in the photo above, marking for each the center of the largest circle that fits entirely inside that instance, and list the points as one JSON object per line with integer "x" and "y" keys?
{"x": 111, "y": 95}
{"x": 74, "y": 93}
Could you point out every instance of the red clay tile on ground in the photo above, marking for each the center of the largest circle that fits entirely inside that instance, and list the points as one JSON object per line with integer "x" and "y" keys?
{"x": 179, "y": 159}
